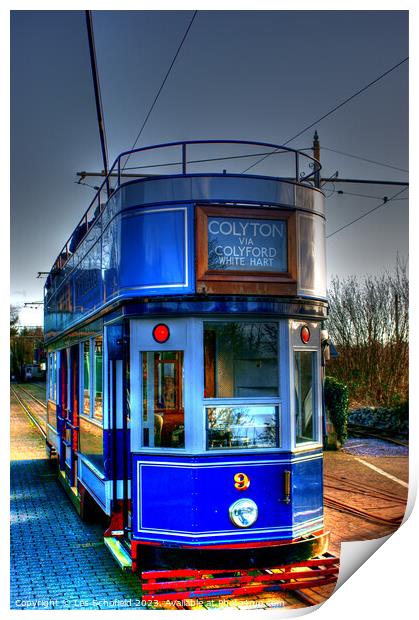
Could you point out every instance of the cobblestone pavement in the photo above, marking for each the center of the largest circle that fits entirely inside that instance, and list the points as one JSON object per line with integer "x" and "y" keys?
{"x": 57, "y": 560}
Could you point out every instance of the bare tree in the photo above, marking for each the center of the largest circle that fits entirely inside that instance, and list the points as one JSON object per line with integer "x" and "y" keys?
{"x": 369, "y": 327}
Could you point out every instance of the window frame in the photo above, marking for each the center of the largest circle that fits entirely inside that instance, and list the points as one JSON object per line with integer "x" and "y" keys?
{"x": 315, "y": 388}
{"x": 314, "y": 347}
{"x": 53, "y": 385}
{"x": 181, "y": 399}
{"x": 92, "y": 387}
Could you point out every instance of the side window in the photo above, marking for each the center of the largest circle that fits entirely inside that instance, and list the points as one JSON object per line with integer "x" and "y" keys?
{"x": 98, "y": 352}
{"x": 87, "y": 373}
{"x": 163, "y": 410}
{"x": 304, "y": 393}
{"x": 52, "y": 376}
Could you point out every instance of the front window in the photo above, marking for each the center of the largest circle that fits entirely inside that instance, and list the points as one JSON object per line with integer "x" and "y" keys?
{"x": 304, "y": 391}
{"x": 242, "y": 426}
{"x": 163, "y": 410}
{"x": 241, "y": 360}
{"x": 241, "y": 369}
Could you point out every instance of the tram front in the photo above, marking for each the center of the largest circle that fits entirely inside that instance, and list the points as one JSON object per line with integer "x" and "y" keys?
{"x": 225, "y": 383}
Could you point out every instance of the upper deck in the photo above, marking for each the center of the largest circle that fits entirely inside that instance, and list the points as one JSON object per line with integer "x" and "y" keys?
{"x": 201, "y": 226}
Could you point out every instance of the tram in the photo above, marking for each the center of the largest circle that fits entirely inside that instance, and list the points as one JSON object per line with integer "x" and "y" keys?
{"x": 184, "y": 387}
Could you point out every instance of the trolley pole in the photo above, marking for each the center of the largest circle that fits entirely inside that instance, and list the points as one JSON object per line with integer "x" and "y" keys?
{"x": 98, "y": 98}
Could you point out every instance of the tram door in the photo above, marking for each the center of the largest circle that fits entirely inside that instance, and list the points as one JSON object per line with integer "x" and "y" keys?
{"x": 163, "y": 411}
{"x": 73, "y": 422}
{"x": 119, "y": 423}
{"x": 63, "y": 409}
{"x": 158, "y": 388}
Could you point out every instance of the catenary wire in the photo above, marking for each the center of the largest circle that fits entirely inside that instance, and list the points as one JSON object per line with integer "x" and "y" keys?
{"x": 334, "y": 109}
{"x": 162, "y": 84}
{"x": 384, "y": 202}
{"x": 341, "y": 191}
{"x": 371, "y": 161}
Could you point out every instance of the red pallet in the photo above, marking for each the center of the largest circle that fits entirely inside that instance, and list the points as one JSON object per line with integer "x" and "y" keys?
{"x": 188, "y": 584}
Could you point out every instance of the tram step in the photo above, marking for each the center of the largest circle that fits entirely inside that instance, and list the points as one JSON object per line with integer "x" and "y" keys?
{"x": 119, "y": 552}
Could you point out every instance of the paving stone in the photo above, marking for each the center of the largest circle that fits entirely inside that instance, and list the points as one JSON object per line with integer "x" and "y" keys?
{"x": 49, "y": 569}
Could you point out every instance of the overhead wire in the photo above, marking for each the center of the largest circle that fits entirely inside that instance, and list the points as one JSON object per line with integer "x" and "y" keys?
{"x": 384, "y": 202}
{"x": 162, "y": 84}
{"x": 335, "y": 108}
{"x": 371, "y": 161}
{"x": 341, "y": 191}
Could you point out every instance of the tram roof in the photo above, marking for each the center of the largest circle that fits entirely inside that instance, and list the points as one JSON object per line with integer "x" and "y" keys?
{"x": 293, "y": 172}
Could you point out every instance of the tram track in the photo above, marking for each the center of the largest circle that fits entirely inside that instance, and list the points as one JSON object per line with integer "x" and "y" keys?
{"x": 24, "y": 398}
{"x": 387, "y": 501}
{"x": 357, "y": 430}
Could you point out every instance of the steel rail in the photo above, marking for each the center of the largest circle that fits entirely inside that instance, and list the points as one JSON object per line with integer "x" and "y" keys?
{"x": 40, "y": 402}
{"x": 28, "y": 413}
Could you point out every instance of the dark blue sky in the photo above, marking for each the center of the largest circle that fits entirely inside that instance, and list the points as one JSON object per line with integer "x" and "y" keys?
{"x": 257, "y": 75}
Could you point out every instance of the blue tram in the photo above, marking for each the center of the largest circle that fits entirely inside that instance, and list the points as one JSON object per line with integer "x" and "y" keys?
{"x": 183, "y": 327}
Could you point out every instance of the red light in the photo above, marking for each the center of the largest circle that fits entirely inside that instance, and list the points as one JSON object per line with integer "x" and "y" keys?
{"x": 161, "y": 333}
{"x": 305, "y": 334}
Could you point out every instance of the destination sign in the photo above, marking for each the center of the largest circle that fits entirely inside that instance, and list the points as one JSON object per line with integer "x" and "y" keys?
{"x": 243, "y": 244}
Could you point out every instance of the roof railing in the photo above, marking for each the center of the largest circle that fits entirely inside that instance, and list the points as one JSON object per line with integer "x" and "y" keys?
{"x": 117, "y": 172}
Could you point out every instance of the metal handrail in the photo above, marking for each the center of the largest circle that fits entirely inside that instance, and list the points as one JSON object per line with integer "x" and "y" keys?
{"x": 65, "y": 253}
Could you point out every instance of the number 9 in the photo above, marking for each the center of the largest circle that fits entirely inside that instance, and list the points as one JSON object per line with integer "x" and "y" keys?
{"x": 241, "y": 482}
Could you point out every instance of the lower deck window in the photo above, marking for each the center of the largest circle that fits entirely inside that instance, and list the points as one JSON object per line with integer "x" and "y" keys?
{"x": 242, "y": 426}
{"x": 97, "y": 411}
{"x": 304, "y": 365}
{"x": 86, "y": 377}
{"x": 240, "y": 360}
{"x": 163, "y": 411}
{"x": 91, "y": 442}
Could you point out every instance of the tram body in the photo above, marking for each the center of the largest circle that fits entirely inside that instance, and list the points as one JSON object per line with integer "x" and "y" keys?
{"x": 183, "y": 326}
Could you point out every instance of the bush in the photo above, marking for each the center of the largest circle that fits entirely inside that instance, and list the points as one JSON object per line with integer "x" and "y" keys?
{"x": 337, "y": 401}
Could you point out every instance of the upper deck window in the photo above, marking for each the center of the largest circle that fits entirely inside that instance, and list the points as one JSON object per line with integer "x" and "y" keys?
{"x": 240, "y": 360}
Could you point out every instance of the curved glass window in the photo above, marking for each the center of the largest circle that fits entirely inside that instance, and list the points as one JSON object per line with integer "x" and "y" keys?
{"x": 304, "y": 390}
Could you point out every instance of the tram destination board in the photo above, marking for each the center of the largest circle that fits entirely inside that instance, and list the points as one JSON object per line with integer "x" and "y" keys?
{"x": 244, "y": 244}
{"x": 246, "y": 251}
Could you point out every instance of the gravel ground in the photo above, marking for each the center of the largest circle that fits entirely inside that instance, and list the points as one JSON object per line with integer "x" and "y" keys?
{"x": 370, "y": 446}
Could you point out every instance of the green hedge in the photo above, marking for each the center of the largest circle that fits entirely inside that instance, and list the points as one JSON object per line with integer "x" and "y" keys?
{"x": 336, "y": 396}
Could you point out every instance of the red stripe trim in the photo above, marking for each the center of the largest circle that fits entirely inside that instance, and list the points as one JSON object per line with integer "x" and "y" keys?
{"x": 249, "y": 545}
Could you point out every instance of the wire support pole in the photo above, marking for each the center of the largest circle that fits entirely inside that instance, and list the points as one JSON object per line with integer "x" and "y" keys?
{"x": 98, "y": 98}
